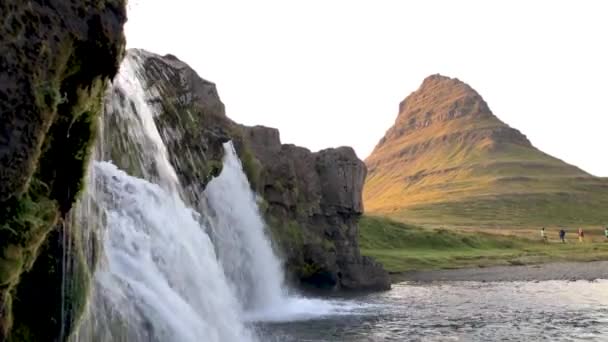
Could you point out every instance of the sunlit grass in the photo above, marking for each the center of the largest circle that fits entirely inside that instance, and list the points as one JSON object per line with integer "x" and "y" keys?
{"x": 401, "y": 247}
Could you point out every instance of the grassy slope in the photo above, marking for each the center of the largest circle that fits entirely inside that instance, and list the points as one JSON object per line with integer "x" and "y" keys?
{"x": 513, "y": 187}
{"x": 449, "y": 161}
{"x": 402, "y": 247}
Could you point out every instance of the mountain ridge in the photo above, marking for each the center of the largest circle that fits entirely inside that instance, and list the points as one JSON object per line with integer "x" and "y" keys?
{"x": 447, "y": 146}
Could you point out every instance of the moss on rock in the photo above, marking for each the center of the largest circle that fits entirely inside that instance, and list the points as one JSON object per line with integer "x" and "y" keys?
{"x": 59, "y": 308}
{"x": 188, "y": 114}
{"x": 57, "y": 56}
{"x": 251, "y": 166}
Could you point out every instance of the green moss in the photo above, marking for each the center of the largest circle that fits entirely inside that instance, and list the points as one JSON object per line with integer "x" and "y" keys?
{"x": 308, "y": 270}
{"x": 328, "y": 245}
{"x": 251, "y": 166}
{"x": 214, "y": 168}
{"x": 25, "y": 219}
{"x": 6, "y": 316}
{"x": 65, "y": 72}
{"x": 25, "y": 222}
{"x": 287, "y": 233}
{"x": 59, "y": 308}
{"x": 10, "y": 265}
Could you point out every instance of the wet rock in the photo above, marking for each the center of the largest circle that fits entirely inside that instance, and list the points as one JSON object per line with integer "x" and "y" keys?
{"x": 56, "y": 57}
{"x": 190, "y": 117}
{"x": 312, "y": 204}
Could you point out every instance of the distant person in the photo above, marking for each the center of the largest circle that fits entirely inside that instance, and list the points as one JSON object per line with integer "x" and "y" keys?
{"x": 581, "y": 235}
{"x": 542, "y": 234}
{"x": 562, "y": 235}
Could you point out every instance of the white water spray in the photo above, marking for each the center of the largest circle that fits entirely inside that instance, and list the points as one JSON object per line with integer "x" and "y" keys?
{"x": 129, "y": 102}
{"x": 162, "y": 277}
{"x": 159, "y": 278}
{"x": 239, "y": 234}
{"x": 245, "y": 251}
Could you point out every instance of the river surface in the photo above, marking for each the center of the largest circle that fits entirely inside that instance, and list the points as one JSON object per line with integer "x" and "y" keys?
{"x": 460, "y": 311}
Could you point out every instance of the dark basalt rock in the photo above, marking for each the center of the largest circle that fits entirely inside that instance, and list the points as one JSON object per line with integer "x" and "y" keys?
{"x": 56, "y": 57}
{"x": 191, "y": 121}
{"x": 313, "y": 202}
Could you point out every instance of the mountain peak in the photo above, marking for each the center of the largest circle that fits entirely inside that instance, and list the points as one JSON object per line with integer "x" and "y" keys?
{"x": 441, "y": 98}
{"x": 443, "y": 108}
{"x": 437, "y": 78}
{"x": 446, "y": 145}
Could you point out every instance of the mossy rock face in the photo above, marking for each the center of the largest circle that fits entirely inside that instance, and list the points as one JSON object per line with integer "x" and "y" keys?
{"x": 58, "y": 308}
{"x": 188, "y": 114}
{"x": 56, "y": 57}
{"x": 311, "y": 202}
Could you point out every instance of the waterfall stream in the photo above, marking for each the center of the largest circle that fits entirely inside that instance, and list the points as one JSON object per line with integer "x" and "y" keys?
{"x": 244, "y": 250}
{"x": 166, "y": 271}
{"x": 159, "y": 278}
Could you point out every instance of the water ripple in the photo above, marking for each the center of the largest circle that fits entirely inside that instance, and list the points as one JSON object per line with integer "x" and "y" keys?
{"x": 465, "y": 311}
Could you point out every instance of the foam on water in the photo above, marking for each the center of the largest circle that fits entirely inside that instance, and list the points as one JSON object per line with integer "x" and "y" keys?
{"x": 161, "y": 279}
{"x": 297, "y": 308}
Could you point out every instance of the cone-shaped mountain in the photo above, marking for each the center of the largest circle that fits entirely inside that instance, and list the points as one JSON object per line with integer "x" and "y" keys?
{"x": 448, "y": 160}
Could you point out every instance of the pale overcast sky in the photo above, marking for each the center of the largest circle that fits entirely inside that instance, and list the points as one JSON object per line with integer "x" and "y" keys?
{"x": 330, "y": 73}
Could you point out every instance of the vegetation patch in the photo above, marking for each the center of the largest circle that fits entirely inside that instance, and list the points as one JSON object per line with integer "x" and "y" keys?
{"x": 401, "y": 247}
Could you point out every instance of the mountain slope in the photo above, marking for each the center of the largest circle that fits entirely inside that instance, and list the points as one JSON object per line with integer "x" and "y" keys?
{"x": 448, "y": 160}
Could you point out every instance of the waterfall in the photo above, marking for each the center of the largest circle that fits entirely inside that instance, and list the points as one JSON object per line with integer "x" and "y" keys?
{"x": 239, "y": 235}
{"x": 158, "y": 278}
{"x": 245, "y": 251}
{"x": 162, "y": 279}
{"x": 167, "y": 272}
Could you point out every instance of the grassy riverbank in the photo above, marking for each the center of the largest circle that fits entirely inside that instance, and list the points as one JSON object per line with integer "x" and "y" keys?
{"x": 401, "y": 247}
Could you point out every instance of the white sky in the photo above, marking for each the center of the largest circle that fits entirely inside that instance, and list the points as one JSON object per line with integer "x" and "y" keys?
{"x": 330, "y": 73}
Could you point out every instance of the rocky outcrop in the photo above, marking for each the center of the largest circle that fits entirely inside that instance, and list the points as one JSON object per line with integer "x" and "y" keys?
{"x": 56, "y": 57}
{"x": 188, "y": 113}
{"x": 311, "y": 200}
{"x": 312, "y": 204}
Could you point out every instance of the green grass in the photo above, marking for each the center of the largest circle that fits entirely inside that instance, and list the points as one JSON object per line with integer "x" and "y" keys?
{"x": 401, "y": 247}
{"x": 513, "y": 211}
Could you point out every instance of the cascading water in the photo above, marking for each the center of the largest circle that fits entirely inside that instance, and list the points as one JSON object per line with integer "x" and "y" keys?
{"x": 245, "y": 251}
{"x": 160, "y": 276}
{"x": 243, "y": 247}
{"x": 162, "y": 279}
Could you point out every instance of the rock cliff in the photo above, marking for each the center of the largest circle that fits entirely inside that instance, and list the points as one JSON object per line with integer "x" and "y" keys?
{"x": 311, "y": 200}
{"x": 56, "y": 57}
{"x": 312, "y": 203}
{"x": 188, "y": 113}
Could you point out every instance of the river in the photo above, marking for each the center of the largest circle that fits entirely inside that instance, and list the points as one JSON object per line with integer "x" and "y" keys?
{"x": 461, "y": 311}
